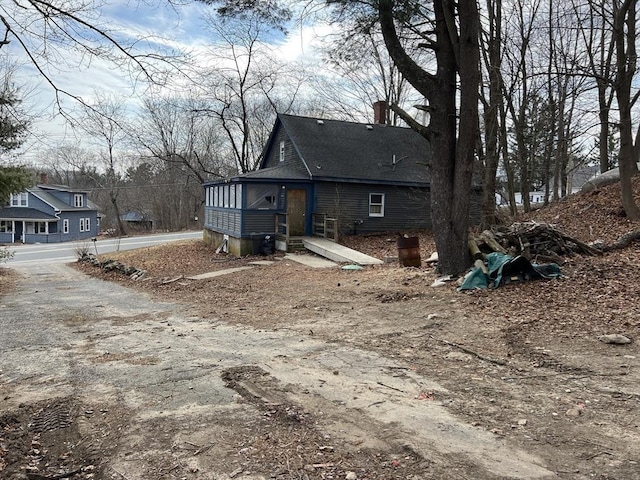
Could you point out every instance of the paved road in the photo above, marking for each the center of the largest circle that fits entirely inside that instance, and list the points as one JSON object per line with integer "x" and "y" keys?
{"x": 66, "y": 252}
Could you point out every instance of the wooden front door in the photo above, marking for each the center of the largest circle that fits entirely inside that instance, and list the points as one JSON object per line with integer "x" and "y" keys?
{"x": 296, "y": 211}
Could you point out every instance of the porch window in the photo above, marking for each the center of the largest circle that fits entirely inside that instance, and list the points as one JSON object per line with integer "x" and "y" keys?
{"x": 226, "y": 196}
{"x": 41, "y": 227}
{"x": 232, "y": 196}
{"x": 78, "y": 201}
{"x": 65, "y": 225}
{"x": 376, "y": 204}
{"x": 6, "y": 226}
{"x": 262, "y": 197}
{"x": 239, "y": 195}
{"x": 20, "y": 199}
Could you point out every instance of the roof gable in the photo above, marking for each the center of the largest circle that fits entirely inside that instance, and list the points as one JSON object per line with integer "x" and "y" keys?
{"x": 333, "y": 149}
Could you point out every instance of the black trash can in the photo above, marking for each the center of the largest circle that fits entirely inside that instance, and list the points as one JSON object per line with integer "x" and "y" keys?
{"x": 268, "y": 245}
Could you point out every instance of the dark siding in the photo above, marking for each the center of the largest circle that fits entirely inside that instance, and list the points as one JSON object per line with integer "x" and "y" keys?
{"x": 291, "y": 157}
{"x": 238, "y": 223}
{"x": 223, "y": 220}
{"x": 259, "y": 222}
{"x": 405, "y": 208}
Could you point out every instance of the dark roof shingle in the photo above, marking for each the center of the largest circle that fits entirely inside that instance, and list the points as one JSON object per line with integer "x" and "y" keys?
{"x": 355, "y": 151}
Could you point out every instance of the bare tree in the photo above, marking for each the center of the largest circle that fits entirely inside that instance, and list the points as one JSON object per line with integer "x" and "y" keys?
{"x": 182, "y": 149}
{"x": 624, "y": 40}
{"x": 103, "y": 122}
{"x": 46, "y": 32}
{"x": 244, "y": 80}
{"x": 492, "y": 59}
{"x": 366, "y": 75}
{"x": 172, "y": 131}
{"x": 452, "y": 93}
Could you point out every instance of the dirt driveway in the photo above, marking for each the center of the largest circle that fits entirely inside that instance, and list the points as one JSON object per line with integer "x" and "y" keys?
{"x": 362, "y": 378}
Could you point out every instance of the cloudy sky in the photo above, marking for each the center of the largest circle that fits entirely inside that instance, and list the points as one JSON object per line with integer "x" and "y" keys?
{"x": 154, "y": 26}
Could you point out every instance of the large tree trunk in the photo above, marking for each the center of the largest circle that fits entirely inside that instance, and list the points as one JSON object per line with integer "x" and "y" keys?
{"x": 626, "y": 61}
{"x": 491, "y": 125}
{"x": 453, "y": 142}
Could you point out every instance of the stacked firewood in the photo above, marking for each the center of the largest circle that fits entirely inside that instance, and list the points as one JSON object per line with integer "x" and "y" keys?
{"x": 538, "y": 242}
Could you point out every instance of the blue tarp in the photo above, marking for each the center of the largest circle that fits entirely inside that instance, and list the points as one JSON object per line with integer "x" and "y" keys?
{"x": 503, "y": 269}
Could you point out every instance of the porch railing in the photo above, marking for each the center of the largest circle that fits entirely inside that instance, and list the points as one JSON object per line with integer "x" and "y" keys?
{"x": 282, "y": 226}
{"x": 324, "y": 226}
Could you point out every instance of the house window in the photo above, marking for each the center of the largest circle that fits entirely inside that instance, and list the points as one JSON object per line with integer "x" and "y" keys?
{"x": 282, "y": 150}
{"x": 78, "y": 201}
{"x": 239, "y": 195}
{"x": 65, "y": 225}
{"x": 41, "y": 227}
{"x": 6, "y": 226}
{"x": 376, "y": 204}
{"x": 87, "y": 224}
{"x": 262, "y": 197}
{"x": 82, "y": 224}
{"x": 19, "y": 199}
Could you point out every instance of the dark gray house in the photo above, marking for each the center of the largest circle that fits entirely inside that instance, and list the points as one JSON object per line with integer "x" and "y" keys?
{"x": 48, "y": 214}
{"x": 323, "y": 177}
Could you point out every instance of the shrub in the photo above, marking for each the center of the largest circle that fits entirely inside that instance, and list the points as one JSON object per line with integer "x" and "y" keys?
{"x": 5, "y": 254}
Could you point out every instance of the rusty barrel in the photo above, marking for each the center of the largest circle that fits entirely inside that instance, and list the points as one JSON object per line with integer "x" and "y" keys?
{"x": 409, "y": 251}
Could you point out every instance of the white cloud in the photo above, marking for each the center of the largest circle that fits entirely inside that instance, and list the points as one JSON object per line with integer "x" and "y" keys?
{"x": 154, "y": 27}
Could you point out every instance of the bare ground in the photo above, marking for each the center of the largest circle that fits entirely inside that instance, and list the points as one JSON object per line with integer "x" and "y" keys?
{"x": 522, "y": 363}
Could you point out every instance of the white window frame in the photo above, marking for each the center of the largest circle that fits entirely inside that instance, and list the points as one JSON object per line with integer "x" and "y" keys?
{"x": 78, "y": 200}
{"x": 282, "y": 150}
{"x": 20, "y": 199}
{"x": 65, "y": 225}
{"x": 6, "y": 226}
{"x": 39, "y": 227}
{"x": 82, "y": 224}
{"x": 373, "y": 205}
{"x": 87, "y": 224}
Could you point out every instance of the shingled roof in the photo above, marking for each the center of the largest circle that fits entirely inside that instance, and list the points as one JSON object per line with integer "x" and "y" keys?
{"x": 334, "y": 150}
{"x": 349, "y": 151}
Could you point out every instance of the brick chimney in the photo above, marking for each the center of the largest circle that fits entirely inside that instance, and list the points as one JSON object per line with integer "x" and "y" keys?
{"x": 44, "y": 178}
{"x": 380, "y": 112}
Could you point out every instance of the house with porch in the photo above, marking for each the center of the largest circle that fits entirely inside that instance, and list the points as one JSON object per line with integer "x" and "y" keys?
{"x": 48, "y": 214}
{"x": 321, "y": 177}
